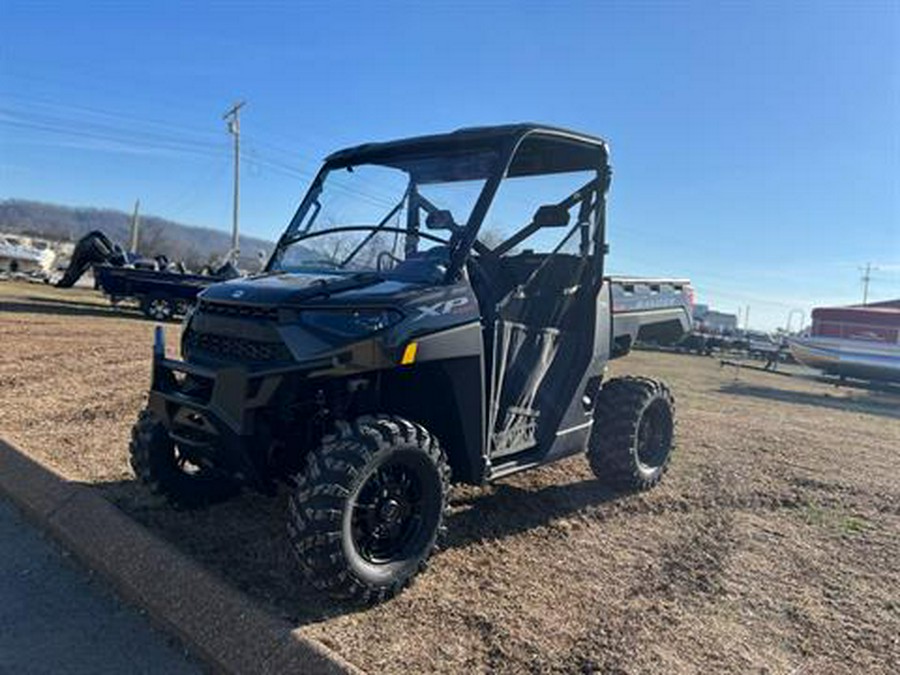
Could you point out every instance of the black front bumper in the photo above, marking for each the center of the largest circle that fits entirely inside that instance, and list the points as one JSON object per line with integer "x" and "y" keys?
{"x": 215, "y": 412}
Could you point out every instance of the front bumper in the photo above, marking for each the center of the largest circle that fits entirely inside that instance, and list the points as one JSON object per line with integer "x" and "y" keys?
{"x": 214, "y": 413}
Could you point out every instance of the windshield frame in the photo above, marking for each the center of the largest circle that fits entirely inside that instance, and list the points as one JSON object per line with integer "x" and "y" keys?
{"x": 305, "y": 216}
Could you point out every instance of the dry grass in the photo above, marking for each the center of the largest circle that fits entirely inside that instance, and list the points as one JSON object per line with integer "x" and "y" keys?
{"x": 772, "y": 545}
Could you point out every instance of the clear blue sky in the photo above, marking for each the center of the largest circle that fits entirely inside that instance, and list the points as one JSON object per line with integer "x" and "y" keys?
{"x": 756, "y": 146}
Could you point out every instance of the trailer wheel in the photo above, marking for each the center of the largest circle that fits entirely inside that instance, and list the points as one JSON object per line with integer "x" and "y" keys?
{"x": 632, "y": 439}
{"x": 182, "y": 306}
{"x": 157, "y": 307}
{"x": 365, "y": 514}
{"x": 160, "y": 465}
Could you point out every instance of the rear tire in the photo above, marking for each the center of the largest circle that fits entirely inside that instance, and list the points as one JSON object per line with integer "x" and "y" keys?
{"x": 632, "y": 439}
{"x": 158, "y": 307}
{"x": 158, "y": 464}
{"x": 366, "y": 513}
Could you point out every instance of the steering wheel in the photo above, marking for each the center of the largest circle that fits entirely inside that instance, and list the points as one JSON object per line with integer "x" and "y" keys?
{"x": 390, "y": 257}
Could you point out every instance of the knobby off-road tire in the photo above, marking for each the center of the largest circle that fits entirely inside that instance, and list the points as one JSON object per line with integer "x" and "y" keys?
{"x": 365, "y": 514}
{"x": 632, "y": 438}
{"x": 158, "y": 464}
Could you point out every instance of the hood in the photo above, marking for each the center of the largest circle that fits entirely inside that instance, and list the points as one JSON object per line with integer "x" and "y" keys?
{"x": 293, "y": 288}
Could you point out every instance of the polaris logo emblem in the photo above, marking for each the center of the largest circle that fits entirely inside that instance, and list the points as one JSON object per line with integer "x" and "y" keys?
{"x": 237, "y": 294}
{"x": 441, "y": 308}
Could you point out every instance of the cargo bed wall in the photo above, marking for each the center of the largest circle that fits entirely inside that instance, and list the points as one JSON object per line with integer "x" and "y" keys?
{"x": 650, "y": 310}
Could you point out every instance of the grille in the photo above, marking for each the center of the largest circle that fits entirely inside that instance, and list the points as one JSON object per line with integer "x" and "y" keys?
{"x": 237, "y": 348}
{"x": 240, "y": 311}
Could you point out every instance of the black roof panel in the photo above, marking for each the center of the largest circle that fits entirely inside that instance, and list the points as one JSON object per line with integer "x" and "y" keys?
{"x": 471, "y": 137}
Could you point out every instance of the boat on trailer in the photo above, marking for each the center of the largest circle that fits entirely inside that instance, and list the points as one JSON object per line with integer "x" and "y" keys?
{"x": 859, "y": 341}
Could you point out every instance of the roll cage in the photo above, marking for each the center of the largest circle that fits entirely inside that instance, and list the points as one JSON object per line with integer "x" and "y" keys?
{"x": 516, "y": 151}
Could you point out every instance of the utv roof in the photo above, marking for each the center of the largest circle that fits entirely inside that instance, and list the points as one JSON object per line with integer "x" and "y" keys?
{"x": 472, "y": 138}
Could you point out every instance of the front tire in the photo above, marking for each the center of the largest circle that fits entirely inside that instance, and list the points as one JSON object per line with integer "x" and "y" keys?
{"x": 633, "y": 433}
{"x": 365, "y": 514}
{"x": 159, "y": 464}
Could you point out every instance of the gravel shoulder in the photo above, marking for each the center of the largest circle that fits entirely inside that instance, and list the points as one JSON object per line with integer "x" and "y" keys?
{"x": 772, "y": 544}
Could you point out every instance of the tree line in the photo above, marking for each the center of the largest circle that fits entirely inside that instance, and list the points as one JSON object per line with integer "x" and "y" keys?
{"x": 195, "y": 246}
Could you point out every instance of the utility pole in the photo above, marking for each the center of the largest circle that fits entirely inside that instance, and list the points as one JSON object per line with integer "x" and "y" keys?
{"x": 233, "y": 118}
{"x": 135, "y": 224}
{"x": 866, "y": 278}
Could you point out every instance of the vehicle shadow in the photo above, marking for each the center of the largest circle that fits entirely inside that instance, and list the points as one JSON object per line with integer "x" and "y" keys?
{"x": 244, "y": 540}
{"x": 505, "y": 510}
{"x": 880, "y": 403}
{"x": 32, "y": 305}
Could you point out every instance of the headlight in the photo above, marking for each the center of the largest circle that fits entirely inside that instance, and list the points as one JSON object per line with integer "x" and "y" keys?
{"x": 350, "y": 323}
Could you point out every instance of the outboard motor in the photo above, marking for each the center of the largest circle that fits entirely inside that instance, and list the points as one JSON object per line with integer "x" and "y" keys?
{"x": 94, "y": 248}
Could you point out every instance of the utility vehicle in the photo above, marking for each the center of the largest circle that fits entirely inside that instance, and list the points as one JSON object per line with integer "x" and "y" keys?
{"x": 435, "y": 311}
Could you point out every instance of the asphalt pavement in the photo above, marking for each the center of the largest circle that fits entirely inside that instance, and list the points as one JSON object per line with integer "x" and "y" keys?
{"x": 55, "y": 617}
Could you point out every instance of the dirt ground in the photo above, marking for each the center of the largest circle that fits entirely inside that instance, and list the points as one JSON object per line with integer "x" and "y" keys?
{"x": 773, "y": 544}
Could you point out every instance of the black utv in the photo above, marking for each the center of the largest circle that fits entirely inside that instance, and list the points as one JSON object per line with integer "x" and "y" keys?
{"x": 435, "y": 312}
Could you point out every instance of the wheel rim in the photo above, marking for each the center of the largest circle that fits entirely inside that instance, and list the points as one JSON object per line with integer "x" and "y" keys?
{"x": 159, "y": 308}
{"x": 185, "y": 464}
{"x": 388, "y": 519}
{"x": 654, "y": 435}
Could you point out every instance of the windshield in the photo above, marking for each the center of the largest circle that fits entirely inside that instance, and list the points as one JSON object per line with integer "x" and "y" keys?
{"x": 398, "y": 219}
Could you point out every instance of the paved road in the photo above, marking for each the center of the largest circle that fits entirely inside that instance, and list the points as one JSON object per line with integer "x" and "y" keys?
{"x": 55, "y": 618}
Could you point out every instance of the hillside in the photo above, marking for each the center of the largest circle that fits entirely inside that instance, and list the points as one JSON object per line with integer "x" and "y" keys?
{"x": 196, "y": 246}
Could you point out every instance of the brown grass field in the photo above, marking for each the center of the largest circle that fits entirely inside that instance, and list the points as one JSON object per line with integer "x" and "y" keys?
{"x": 773, "y": 544}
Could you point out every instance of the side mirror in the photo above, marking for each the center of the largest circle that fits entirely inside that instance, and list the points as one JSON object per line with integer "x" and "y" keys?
{"x": 551, "y": 215}
{"x": 441, "y": 220}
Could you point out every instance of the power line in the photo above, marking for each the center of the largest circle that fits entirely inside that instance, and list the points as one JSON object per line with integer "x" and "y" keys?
{"x": 204, "y": 182}
{"x": 135, "y": 141}
{"x": 179, "y": 143}
{"x": 375, "y": 188}
{"x": 180, "y": 140}
{"x": 105, "y": 126}
{"x": 96, "y": 112}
